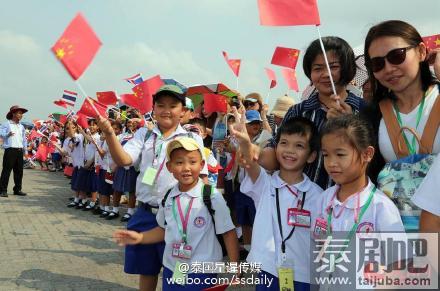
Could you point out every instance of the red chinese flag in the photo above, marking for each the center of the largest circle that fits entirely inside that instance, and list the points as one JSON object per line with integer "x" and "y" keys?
{"x": 144, "y": 93}
{"x": 63, "y": 119}
{"x": 107, "y": 97}
{"x": 130, "y": 100}
{"x": 60, "y": 103}
{"x": 432, "y": 42}
{"x": 290, "y": 77}
{"x": 272, "y": 77}
{"x": 215, "y": 103}
{"x": 89, "y": 106}
{"x": 33, "y": 135}
{"x": 234, "y": 64}
{"x": 288, "y": 12}
{"x": 81, "y": 120}
{"x": 77, "y": 46}
{"x": 285, "y": 57}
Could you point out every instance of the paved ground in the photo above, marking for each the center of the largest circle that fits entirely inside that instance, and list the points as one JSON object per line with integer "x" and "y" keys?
{"x": 46, "y": 246}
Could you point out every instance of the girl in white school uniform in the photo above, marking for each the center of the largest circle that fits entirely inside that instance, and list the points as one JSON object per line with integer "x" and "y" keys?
{"x": 354, "y": 204}
{"x": 73, "y": 147}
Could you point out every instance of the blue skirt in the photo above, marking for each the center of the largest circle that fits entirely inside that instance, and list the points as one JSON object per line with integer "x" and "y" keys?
{"x": 87, "y": 180}
{"x": 74, "y": 180}
{"x": 104, "y": 188}
{"x": 125, "y": 180}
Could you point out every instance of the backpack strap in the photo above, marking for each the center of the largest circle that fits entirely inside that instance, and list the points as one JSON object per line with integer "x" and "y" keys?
{"x": 431, "y": 127}
{"x": 393, "y": 128}
{"x": 207, "y": 191}
{"x": 165, "y": 199}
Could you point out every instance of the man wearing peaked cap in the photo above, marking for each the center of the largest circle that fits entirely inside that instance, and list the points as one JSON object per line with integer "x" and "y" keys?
{"x": 14, "y": 143}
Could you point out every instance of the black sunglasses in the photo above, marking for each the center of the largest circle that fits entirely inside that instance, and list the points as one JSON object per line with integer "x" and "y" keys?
{"x": 394, "y": 57}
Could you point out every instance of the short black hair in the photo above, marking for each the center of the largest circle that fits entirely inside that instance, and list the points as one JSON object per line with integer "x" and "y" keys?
{"x": 302, "y": 126}
{"x": 340, "y": 48}
{"x": 199, "y": 121}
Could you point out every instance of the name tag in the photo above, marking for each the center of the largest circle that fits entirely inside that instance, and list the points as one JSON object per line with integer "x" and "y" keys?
{"x": 298, "y": 217}
{"x": 149, "y": 176}
{"x": 285, "y": 276}
{"x": 320, "y": 228}
{"x": 182, "y": 251}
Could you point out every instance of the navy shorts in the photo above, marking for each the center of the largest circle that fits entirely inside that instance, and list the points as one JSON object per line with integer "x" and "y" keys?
{"x": 143, "y": 259}
{"x": 104, "y": 188}
{"x": 244, "y": 209}
{"x": 275, "y": 285}
{"x": 56, "y": 157}
{"x": 199, "y": 283}
{"x": 75, "y": 179}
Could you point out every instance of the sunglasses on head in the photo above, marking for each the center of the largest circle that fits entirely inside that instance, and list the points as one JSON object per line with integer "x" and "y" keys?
{"x": 394, "y": 57}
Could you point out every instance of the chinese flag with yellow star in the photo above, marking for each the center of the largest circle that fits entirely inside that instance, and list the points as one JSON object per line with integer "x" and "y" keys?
{"x": 93, "y": 108}
{"x": 144, "y": 93}
{"x": 285, "y": 57}
{"x": 288, "y": 12}
{"x": 234, "y": 64}
{"x": 215, "y": 103}
{"x": 432, "y": 42}
{"x": 107, "y": 97}
{"x": 77, "y": 46}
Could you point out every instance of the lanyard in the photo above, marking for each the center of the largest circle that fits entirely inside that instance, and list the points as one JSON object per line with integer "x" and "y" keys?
{"x": 156, "y": 153}
{"x": 283, "y": 240}
{"x": 412, "y": 146}
{"x": 182, "y": 227}
{"x": 355, "y": 225}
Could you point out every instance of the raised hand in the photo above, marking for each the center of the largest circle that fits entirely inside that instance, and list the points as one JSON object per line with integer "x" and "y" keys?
{"x": 104, "y": 125}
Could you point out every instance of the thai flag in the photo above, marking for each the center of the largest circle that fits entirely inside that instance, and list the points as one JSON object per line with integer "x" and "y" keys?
{"x": 42, "y": 130}
{"x": 135, "y": 80}
{"x": 69, "y": 97}
{"x": 70, "y": 114}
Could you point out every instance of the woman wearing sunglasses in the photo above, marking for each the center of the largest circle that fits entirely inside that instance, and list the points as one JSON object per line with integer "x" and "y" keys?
{"x": 397, "y": 62}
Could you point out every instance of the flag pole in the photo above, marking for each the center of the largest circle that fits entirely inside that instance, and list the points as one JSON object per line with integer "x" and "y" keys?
{"x": 326, "y": 60}
{"x": 236, "y": 86}
{"x": 87, "y": 97}
{"x": 266, "y": 100}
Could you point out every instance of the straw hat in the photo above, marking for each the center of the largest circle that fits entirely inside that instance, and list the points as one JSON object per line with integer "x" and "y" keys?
{"x": 13, "y": 109}
{"x": 282, "y": 105}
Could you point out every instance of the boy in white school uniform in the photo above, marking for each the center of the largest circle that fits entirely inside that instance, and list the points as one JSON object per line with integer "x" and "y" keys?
{"x": 185, "y": 221}
{"x": 286, "y": 205}
{"x": 147, "y": 148}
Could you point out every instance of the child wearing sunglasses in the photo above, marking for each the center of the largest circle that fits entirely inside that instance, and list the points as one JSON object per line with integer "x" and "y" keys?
{"x": 397, "y": 61}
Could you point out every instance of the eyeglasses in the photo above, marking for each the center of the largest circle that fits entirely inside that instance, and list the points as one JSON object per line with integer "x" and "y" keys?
{"x": 394, "y": 57}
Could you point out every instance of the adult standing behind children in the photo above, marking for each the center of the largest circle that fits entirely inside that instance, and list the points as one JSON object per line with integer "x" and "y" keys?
{"x": 148, "y": 148}
{"x": 405, "y": 93}
{"x": 322, "y": 104}
{"x": 14, "y": 142}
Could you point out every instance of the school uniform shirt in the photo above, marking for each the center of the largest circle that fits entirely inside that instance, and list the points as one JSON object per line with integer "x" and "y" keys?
{"x": 266, "y": 237}
{"x": 107, "y": 161}
{"x": 380, "y": 216}
{"x": 123, "y": 139}
{"x": 142, "y": 152}
{"x": 91, "y": 149}
{"x": 77, "y": 154}
{"x": 201, "y": 235}
{"x": 426, "y": 196}
{"x": 410, "y": 120}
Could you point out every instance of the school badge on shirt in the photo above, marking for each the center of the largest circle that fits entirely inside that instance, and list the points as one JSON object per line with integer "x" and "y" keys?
{"x": 199, "y": 221}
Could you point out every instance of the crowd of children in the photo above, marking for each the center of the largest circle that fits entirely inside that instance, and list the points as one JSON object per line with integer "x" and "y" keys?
{"x": 199, "y": 182}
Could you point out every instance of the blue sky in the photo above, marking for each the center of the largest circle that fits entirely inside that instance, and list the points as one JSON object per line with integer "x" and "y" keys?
{"x": 180, "y": 39}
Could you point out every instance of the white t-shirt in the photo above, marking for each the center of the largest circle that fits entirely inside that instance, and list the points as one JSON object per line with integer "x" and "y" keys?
{"x": 427, "y": 196}
{"x": 266, "y": 238}
{"x": 142, "y": 153}
{"x": 200, "y": 230}
{"x": 91, "y": 149}
{"x": 410, "y": 120}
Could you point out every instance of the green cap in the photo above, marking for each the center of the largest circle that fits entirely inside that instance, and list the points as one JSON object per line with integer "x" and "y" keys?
{"x": 171, "y": 90}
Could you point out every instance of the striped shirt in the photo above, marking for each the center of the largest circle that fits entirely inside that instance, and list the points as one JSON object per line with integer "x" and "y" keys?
{"x": 312, "y": 109}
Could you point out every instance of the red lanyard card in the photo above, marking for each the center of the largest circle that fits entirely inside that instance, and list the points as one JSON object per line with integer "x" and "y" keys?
{"x": 298, "y": 217}
{"x": 320, "y": 228}
{"x": 182, "y": 251}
